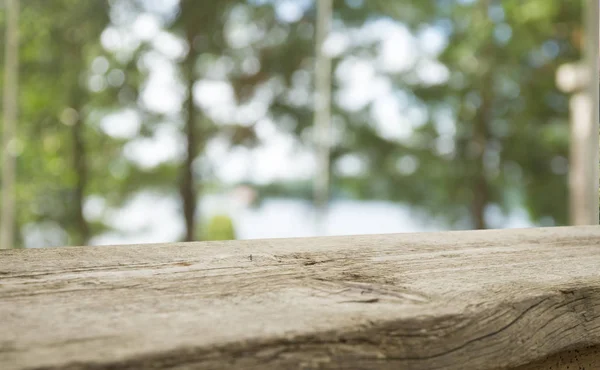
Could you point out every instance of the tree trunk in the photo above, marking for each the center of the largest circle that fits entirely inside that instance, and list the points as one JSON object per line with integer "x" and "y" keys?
{"x": 322, "y": 115}
{"x": 591, "y": 161}
{"x": 10, "y": 107}
{"x": 79, "y": 149}
{"x": 188, "y": 191}
{"x": 81, "y": 174}
{"x": 480, "y": 186}
{"x": 480, "y": 199}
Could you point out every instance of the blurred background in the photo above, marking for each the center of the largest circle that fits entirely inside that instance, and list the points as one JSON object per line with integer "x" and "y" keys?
{"x": 163, "y": 120}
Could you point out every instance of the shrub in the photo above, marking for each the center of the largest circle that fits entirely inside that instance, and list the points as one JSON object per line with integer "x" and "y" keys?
{"x": 220, "y": 227}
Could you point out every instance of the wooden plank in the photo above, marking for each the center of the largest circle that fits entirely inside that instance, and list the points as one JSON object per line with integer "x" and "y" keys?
{"x": 580, "y": 359}
{"x": 453, "y": 300}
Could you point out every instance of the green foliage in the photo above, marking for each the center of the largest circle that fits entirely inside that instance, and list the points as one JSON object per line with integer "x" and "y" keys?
{"x": 59, "y": 40}
{"x": 511, "y": 123}
{"x": 507, "y": 136}
{"x": 220, "y": 227}
{"x": 65, "y": 156}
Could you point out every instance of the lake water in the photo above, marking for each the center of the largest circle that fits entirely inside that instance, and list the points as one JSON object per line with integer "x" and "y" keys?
{"x": 154, "y": 219}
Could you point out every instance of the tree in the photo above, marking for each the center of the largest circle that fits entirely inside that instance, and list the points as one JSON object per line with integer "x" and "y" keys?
{"x": 496, "y": 132}
{"x": 10, "y": 107}
{"x": 220, "y": 227}
{"x": 492, "y": 133}
{"x": 60, "y": 105}
{"x": 322, "y": 125}
{"x": 206, "y": 31}
{"x": 74, "y": 44}
{"x": 195, "y": 24}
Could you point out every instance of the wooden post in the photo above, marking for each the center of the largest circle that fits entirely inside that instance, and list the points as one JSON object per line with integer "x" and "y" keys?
{"x": 322, "y": 116}
{"x": 581, "y": 79}
{"x": 10, "y": 107}
{"x": 592, "y": 60}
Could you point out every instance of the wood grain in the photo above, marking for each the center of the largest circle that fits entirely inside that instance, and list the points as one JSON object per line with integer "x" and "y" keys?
{"x": 453, "y": 300}
{"x": 576, "y": 359}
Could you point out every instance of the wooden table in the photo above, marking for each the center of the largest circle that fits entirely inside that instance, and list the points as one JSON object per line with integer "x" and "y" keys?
{"x": 452, "y": 300}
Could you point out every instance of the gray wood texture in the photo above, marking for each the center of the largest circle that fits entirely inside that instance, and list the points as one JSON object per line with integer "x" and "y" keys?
{"x": 575, "y": 359}
{"x": 453, "y": 300}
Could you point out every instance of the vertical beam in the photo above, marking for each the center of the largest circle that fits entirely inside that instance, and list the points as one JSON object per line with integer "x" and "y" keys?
{"x": 10, "y": 107}
{"x": 584, "y": 143}
{"x": 581, "y": 176}
{"x": 322, "y": 116}
{"x": 581, "y": 79}
{"x": 593, "y": 31}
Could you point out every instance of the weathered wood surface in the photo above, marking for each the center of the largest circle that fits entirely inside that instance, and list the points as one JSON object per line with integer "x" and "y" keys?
{"x": 455, "y": 300}
{"x": 574, "y": 359}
